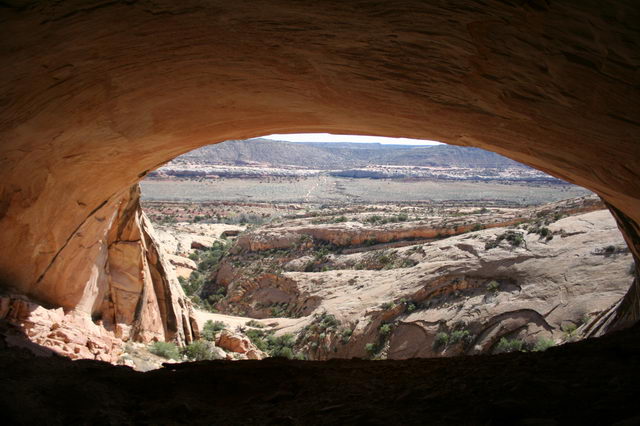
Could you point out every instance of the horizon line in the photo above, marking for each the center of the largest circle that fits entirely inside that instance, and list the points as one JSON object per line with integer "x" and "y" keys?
{"x": 331, "y": 138}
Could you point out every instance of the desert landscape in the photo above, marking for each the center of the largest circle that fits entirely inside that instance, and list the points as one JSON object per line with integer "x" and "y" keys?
{"x": 313, "y": 260}
{"x": 312, "y": 266}
{"x": 150, "y": 277}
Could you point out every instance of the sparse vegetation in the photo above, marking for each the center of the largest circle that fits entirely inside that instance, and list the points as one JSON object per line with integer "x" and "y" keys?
{"x": 388, "y": 305}
{"x": 508, "y": 345}
{"x": 542, "y": 344}
{"x": 514, "y": 238}
{"x": 493, "y": 286}
{"x": 275, "y": 346}
{"x": 211, "y": 329}
{"x": 385, "y": 329}
{"x": 459, "y": 336}
{"x": 166, "y": 350}
{"x": 255, "y": 324}
{"x": 200, "y": 350}
{"x": 569, "y": 330}
{"x": 441, "y": 340}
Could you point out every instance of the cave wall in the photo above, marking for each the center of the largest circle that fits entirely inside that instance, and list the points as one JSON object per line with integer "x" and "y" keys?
{"x": 96, "y": 94}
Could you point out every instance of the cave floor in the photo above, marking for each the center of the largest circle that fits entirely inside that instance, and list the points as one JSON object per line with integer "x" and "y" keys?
{"x": 591, "y": 382}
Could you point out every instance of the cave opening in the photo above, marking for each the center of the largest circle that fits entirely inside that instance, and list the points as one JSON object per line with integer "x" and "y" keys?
{"x": 97, "y": 94}
{"x": 226, "y": 214}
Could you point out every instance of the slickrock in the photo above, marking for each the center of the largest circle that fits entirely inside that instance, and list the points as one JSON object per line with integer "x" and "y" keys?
{"x": 456, "y": 295}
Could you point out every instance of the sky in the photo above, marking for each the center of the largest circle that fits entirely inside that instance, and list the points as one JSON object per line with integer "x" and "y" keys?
{"x": 327, "y": 137}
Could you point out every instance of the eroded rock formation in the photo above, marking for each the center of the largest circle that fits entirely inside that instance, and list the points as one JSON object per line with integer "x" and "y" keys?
{"x": 473, "y": 293}
{"x": 96, "y": 94}
{"x": 120, "y": 286}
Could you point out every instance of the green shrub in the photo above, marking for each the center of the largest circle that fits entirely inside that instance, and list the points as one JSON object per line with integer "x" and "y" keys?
{"x": 371, "y": 348}
{"x": 459, "y": 336}
{"x": 385, "y": 329}
{"x": 569, "y": 329}
{"x": 509, "y": 345}
{"x": 199, "y": 350}
{"x": 543, "y": 344}
{"x": 276, "y": 346}
{"x": 493, "y": 286}
{"x": 166, "y": 350}
{"x": 255, "y": 324}
{"x": 442, "y": 339}
{"x": 346, "y": 335}
{"x": 211, "y": 328}
{"x": 514, "y": 238}
{"x": 388, "y": 305}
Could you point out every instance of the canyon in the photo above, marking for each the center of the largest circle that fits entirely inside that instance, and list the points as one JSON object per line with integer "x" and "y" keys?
{"x": 399, "y": 282}
{"x": 96, "y": 95}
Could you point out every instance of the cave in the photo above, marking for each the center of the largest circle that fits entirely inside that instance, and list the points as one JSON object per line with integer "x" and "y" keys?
{"x": 95, "y": 95}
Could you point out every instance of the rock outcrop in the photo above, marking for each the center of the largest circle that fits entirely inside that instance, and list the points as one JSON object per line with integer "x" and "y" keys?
{"x": 121, "y": 287}
{"x": 71, "y": 334}
{"x": 547, "y": 280}
{"x": 89, "y": 106}
{"x": 239, "y": 344}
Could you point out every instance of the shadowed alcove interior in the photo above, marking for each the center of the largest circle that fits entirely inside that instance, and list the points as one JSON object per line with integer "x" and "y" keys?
{"x": 94, "y": 95}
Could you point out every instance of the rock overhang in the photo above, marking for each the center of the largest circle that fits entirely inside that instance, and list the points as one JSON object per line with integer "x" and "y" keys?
{"x": 97, "y": 94}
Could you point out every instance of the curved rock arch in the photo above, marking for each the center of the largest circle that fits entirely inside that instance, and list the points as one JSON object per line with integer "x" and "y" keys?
{"x": 96, "y": 94}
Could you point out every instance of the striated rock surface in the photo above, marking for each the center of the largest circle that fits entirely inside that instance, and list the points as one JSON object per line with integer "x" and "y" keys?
{"x": 545, "y": 281}
{"x": 120, "y": 288}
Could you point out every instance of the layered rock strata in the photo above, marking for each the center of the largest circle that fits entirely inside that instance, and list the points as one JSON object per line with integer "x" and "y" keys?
{"x": 120, "y": 286}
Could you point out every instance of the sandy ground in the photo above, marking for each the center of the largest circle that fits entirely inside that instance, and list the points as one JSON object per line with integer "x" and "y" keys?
{"x": 282, "y": 325}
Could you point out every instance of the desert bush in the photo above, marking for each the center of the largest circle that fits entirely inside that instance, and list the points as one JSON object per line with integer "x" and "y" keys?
{"x": 569, "y": 330}
{"x": 346, "y": 335}
{"x": 493, "y": 286}
{"x": 543, "y": 344}
{"x": 442, "y": 339}
{"x": 459, "y": 336}
{"x": 255, "y": 324}
{"x": 211, "y": 328}
{"x": 385, "y": 329}
{"x": 371, "y": 348}
{"x": 276, "y": 346}
{"x": 514, "y": 238}
{"x": 166, "y": 350}
{"x": 199, "y": 350}
{"x": 509, "y": 345}
{"x": 388, "y": 305}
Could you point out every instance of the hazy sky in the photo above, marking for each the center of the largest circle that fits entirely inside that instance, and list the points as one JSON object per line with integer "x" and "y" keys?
{"x": 327, "y": 137}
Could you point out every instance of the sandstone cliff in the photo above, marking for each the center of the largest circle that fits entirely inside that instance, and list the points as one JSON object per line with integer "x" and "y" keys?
{"x": 118, "y": 288}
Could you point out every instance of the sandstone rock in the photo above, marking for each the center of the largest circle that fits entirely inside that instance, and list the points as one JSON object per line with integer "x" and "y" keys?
{"x": 181, "y": 261}
{"x": 183, "y": 265}
{"x": 236, "y": 343}
{"x": 200, "y": 242}
{"x": 79, "y": 130}
{"x": 73, "y": 334}
{"x": 540, "y": 287}
{"x": 256, "y": 354}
